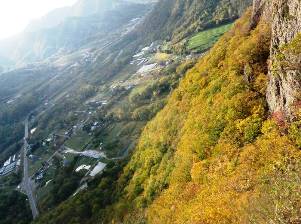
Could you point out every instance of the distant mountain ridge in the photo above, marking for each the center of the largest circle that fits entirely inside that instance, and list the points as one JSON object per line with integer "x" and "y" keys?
{"x": 64, "y": 29}
{"x": 82, "y": 8}
{"x": 171, "y": 19}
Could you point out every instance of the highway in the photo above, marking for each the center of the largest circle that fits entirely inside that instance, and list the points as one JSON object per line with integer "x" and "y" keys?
{"x": 27, "y": 183}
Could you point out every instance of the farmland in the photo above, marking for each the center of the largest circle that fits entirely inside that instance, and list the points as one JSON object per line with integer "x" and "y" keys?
{"x": 203, "y": 40}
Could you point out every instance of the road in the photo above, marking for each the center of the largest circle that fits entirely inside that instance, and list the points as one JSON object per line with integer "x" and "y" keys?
{"x": 27, "y": 183}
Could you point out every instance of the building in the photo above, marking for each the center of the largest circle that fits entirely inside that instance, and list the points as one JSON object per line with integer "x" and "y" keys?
{"x": 10, "y": 165}
{"x": 5, "y": 170}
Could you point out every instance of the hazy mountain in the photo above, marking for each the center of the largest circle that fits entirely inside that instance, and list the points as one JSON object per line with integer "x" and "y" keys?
{"x": 65, "y": 29}
{"x": 77, "y": 46}
{"x": 82, "y": 8}
{"x": 90, "y": 7}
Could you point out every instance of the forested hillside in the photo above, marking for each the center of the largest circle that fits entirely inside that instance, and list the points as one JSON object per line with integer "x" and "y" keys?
{"x": 185, "y": 129}
{"x": 178, "y": 19}
{"x": 212, "y": 155}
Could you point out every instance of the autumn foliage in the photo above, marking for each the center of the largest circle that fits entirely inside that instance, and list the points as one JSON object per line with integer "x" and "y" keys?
{"x": 212, "y": 155}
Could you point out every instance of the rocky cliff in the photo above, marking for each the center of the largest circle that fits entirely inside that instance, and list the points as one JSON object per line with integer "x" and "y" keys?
{"x": 284, "y": 77}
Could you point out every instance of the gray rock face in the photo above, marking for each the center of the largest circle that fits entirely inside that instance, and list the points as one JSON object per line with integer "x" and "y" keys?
{"x": 284, "y": 83}
{"x": 260, "y": 11}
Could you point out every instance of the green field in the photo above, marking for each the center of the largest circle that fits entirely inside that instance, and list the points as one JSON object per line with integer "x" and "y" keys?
{"x": 204, "y": 40}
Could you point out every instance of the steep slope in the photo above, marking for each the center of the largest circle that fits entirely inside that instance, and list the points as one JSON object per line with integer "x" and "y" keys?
{"x": 207, "y": 133}
{"x": 217, "y": 110}
{"x": 81, "y": 45}
{"x": 212, "y": 155}
{"x": 177, "y": 19}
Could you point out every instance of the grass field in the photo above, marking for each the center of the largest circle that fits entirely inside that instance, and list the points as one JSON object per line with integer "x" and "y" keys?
{"x": 204, "y": 40}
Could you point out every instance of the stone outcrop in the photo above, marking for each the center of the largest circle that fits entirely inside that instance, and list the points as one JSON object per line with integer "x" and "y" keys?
{"x": 260, "y": 11}
{"x": 284, "y": 83}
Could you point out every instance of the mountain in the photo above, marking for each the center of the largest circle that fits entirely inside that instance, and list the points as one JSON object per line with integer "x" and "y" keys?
{"x": 80, "y": 51}
{"x": 130, "y": 124}
{"x": 90, "y": 7}
{"x": 65, "y": 29}
{"x": 177, "y": 19}
{"x": 226, "y": 147}
{"x": 67, "y": 53}
{"x": 80, "y": 9}
{"x": 90, "y": 81}
{"x": 171, "y": 19}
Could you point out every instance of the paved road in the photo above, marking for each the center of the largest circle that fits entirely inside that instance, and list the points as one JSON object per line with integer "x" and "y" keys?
{"x": 27, "y": 183}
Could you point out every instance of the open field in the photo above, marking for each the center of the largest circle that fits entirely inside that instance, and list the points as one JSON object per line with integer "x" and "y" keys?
{"x": 205, "y": 39}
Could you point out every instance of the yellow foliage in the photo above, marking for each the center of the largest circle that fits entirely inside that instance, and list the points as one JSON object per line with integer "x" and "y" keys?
{"x": 208, "y": 156}
{"x": 159, "y": 57}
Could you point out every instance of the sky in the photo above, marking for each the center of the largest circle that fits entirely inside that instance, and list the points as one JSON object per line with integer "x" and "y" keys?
{"x": 15, "y": 15}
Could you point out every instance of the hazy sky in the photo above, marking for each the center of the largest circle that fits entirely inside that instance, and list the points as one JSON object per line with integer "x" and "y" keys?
{"x": 16, "y": 14}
